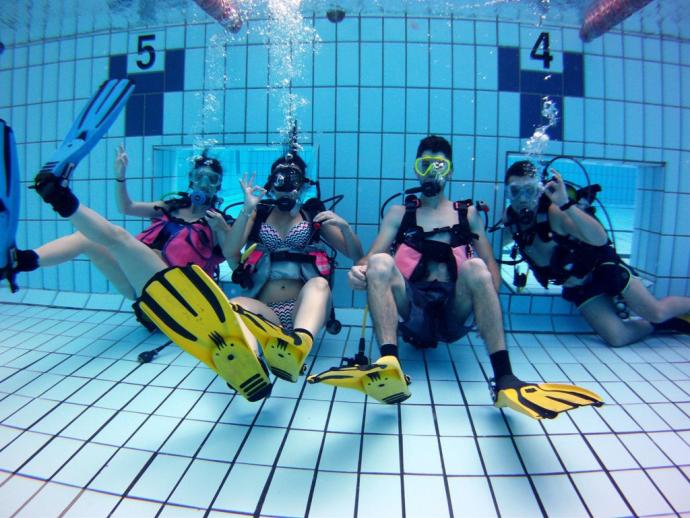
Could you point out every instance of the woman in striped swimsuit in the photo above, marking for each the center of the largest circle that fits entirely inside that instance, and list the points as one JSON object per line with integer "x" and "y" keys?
{"x": 285, "y": 296}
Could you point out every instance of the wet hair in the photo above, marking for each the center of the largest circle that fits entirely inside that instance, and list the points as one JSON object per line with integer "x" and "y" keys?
{"x": 212, "y": 163}
{"x": 435, "y": 144}
{"x": 520, "y": 169}
{"x": 291, "y": 158}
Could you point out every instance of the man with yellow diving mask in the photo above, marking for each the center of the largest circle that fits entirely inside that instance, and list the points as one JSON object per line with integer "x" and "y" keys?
{"x": 442, "y": 271}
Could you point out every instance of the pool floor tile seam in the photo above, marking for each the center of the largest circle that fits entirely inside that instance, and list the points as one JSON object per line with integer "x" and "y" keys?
{"x": 100, "y": 388}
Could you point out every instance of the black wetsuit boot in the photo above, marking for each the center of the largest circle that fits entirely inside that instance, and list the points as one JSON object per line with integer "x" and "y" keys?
{"x": 51, "y": 189}
{"x": 675, "y": 324}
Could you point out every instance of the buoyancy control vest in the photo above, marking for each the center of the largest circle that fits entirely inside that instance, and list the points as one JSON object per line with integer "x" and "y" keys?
{"x": 259, "y": 264}
{"x": 413, "y": 249}
{"x": 182, "y": 242}
{"x": 571, "y": 257}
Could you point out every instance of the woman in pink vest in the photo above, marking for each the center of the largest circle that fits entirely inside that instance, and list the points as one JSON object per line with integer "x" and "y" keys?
{"x": 187, "y": 229}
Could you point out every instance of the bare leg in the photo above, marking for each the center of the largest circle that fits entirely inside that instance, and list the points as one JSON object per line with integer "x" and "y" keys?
{"x": 311, "y": 309}
{"x": 313, "y": 305}
{"x": 648, "y": 307}
{"x": 600, "y": 313}
{"x": 285, "y": 353}
{"x": 138, "y": 262}
{"x": 258, "y": 307}
{"x": 67, "y": 248}
{"x": 474, "y": 278}
{"x": 62, "y": 249}
{"x": 387, "y": 297}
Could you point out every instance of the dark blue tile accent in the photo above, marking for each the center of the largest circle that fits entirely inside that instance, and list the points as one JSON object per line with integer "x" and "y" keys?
{"x": 148, "y": 82}
{"x": 134, "y": 116}
{"x": 530, "y": 106}
{"x": 531, "y": 118}
{"x": 144, "y": 111}
{"x": 508, "y": 69}
{"x": 544, "y": 83}
{"x": 573, "y": 74}
{"x": 174, "y": 70}
{"x": 534, "y": 85}
{"x": 117, "y": 68}
{"x": 153, "y": 114}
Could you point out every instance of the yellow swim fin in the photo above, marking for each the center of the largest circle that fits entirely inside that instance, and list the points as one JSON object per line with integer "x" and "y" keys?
{"x": 191, "y": 310}
{"x": 382, "y": 380}
{"x": 545, "y": 400}
{"x": 284, "y": 352}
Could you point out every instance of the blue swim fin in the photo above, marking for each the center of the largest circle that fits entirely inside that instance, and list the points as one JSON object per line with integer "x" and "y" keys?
{"x": 9, "y": 203}
{"x": 93, "y": 122}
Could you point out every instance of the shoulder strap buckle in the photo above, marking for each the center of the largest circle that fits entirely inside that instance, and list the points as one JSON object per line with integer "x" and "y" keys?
{"x": 462, "y": 204}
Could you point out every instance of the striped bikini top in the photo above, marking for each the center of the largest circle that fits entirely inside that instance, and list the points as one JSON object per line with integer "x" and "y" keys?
{"x": 297, "y": 237}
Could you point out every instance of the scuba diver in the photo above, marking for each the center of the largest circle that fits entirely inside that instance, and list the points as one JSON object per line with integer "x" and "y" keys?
{"x": 285, "y": 269}
{"x": 441, "y": 271}
{"x": 182, "y": 301}
{"x": 185, "y": 229}
{"x": 564, "y": 245}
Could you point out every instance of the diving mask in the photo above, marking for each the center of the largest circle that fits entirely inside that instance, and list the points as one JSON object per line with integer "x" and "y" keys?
{"x": 438, "y": 166}
{"x": 286, "y": 178}
{"x": 204, "y": 184}
{"x": 524, "y": 194}
{"x": 198, "y": 176}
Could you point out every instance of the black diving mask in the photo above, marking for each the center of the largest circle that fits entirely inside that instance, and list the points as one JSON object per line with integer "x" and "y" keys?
{"x": 286, "y": 178}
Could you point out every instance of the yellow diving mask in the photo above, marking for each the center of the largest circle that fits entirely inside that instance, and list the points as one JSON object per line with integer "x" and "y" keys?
{"x": 438, "y": 166}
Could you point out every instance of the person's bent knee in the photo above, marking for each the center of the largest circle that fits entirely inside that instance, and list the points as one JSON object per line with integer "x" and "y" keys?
{"x": 473, "y": 265}
{"x": 318, "y": 283}
{"x": 380, "y": 269}
{"x": 474, "y": 273}
{"x": 87, "y": 246}
{"x": 242, "y": 301}
{"x": 615, "y": 340}
{"x": 615, "y": 337}
{"x": 655, "y": 314}
{"x": 118, "y": 236}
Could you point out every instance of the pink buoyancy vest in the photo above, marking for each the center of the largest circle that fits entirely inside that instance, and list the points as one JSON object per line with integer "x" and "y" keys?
{"x": 191, "y": 243}
{"x": 407, "y": 258}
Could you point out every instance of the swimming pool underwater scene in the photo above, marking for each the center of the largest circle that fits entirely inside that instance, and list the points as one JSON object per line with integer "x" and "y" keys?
{"x": 217, "y": 299}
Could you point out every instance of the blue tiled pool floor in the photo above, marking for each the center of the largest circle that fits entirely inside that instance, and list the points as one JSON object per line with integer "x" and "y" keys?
{"x": 85, "y": 430}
